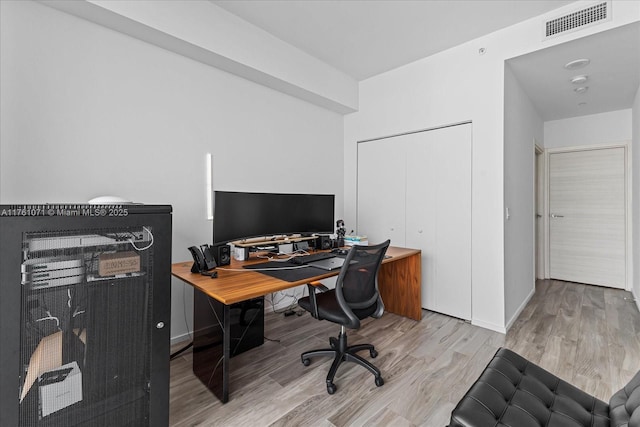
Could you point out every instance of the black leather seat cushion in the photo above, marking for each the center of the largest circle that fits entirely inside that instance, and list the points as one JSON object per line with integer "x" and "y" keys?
{"x": 624, "y": 406}
{"x": 515, "y": 392}
{"x": 328, "y": 308}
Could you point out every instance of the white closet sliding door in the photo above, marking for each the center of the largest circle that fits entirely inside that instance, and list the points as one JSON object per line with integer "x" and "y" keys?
{"x": 381, "y": 181}
{"x": 439, "y": 216}
{"x": 420, "y": 197}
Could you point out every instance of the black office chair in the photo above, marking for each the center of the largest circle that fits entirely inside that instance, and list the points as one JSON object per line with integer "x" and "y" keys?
{"x": 354, "y": 298}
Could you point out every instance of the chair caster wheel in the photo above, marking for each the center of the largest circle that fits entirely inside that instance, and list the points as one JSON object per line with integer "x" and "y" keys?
{"x": 373, "y": 354}
{"x": 331, "y": 388}
{"x": 379, "y": 381}
{"x": 333, "y": 342}
{"x": 306, "y": 362}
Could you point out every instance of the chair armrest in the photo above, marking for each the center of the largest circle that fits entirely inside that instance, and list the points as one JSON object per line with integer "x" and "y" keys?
{"x": 312, "y": 298}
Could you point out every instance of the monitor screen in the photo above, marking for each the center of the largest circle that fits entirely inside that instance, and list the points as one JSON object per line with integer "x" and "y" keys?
{"x": 239, "y": 215}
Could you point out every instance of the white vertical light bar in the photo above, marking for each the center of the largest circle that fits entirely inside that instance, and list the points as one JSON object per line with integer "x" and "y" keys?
{"x": 209, "y": 189}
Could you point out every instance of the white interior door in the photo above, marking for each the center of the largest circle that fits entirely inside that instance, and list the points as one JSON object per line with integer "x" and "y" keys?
{"x": 587, "y": 210}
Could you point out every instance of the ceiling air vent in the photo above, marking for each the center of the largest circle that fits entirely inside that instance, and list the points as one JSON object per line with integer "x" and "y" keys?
{"x": 596, "y": 14}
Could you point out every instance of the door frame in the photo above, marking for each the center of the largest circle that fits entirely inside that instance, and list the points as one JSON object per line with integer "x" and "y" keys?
{"x": 626, "y": 145}
{"x": 539, "y": 238}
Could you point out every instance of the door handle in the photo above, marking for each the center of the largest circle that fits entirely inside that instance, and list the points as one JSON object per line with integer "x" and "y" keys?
{"x": 556, "y": 216}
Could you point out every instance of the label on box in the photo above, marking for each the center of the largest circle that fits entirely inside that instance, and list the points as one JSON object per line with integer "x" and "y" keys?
{"x": 118, "y": 263}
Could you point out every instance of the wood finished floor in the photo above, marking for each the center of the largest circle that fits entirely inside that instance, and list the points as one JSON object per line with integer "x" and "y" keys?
{"x": 587, "y": 335}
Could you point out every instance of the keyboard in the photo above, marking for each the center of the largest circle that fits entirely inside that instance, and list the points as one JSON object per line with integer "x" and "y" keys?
{"x": 316, "y": 257}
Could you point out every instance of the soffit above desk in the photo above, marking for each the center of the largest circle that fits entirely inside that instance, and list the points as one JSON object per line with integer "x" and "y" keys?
{"x": 205, "y": 32}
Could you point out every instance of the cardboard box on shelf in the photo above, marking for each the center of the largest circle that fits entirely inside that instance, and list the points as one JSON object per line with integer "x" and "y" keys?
{"x": 46, "y": 357}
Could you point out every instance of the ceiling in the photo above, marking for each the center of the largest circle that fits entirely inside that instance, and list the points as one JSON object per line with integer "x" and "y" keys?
{"x": 613, "y": 74}
{"x": 363, "y": 38}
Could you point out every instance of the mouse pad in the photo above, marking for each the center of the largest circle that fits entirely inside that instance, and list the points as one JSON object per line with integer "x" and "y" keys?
{"x": 283, "y": 271}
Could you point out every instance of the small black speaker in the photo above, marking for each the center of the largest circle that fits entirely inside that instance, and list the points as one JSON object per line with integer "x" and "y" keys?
{"x": 323, "y": 242}
{"x": 222, "y": 254}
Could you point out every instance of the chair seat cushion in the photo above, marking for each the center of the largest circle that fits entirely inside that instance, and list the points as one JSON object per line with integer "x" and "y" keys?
{"x": 515, "y": 392}
{"x": 328, "y": 308}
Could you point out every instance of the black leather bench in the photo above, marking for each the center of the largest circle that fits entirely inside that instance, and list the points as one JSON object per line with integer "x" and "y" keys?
{"x": 515, "y": 392}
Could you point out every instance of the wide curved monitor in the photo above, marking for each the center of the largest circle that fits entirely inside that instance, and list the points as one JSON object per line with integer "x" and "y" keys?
{"x": 241, "y": 215}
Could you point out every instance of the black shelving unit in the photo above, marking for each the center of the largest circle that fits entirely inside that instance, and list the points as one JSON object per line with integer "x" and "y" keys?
{"x": 84, "y": 315}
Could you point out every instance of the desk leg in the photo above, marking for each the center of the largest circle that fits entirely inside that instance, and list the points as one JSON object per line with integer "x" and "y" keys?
{"x": 220, "y": 332}
{"x": 399, "y": 283}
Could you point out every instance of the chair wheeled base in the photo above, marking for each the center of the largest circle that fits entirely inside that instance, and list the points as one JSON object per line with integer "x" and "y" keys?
{"x": 341, "y": 352}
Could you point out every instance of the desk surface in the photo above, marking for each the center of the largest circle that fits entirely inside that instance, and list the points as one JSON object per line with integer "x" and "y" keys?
{"x": 235, "y": 284}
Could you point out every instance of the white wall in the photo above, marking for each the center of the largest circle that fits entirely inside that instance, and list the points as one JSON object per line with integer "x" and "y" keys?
{"x": 522, "y": 126}
{"x": 87, "y": 111}
{"x": 594, "y": 129}
{"x": 452, "y": 86}
{"x": 437, "y": 91}
{"x": 201, "y": 30}
{"x": 635, "y": 195}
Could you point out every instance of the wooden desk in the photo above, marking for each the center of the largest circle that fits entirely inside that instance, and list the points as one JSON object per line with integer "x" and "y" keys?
{"x": 233, "y": 305}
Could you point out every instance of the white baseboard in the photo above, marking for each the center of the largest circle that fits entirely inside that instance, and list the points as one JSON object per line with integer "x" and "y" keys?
{"x": 488, "y": 325}
{"x": 503, "y": 329}
{"x": 180, "y": 338}
{"x": 519, "y": 310}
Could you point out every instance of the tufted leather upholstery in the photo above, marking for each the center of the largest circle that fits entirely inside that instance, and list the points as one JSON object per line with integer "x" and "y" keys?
{"x": 515, "y": 392}
{"x": 624, "y": 406}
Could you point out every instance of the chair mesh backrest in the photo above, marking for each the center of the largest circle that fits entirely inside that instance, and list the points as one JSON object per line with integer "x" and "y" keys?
{"x": 359, "y": 285}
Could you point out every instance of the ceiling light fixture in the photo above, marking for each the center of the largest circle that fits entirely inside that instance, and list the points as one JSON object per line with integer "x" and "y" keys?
{"x": 581, "y": 89}
{"x": 582, "y": 104}
{"x": 578, "y": 80}
{"x": 578, "y": 63}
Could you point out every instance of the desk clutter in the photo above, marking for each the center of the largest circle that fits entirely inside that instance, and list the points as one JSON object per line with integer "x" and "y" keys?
{"x": 243, "y": 250}
{"x": 351, "y": 240}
